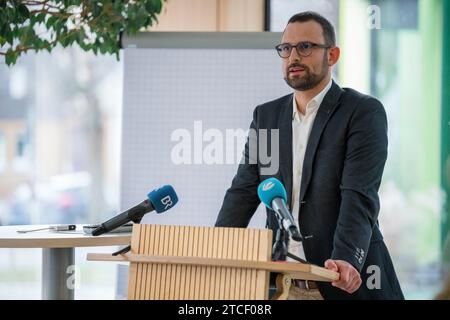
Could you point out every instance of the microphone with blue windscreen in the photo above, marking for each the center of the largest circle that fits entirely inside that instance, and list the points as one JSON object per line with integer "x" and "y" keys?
{"x": 160, "y": 200}
{"x": 272, "y": 193}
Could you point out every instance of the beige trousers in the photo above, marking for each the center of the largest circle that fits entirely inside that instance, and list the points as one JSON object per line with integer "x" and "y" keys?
{"x": 296, "y": 293}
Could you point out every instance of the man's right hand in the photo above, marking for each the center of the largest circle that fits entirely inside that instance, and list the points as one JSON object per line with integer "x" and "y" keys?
{"x": 349, "y": 280}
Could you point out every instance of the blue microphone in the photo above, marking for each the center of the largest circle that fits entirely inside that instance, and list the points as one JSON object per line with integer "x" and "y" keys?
{"x": 160, "y": 200}
{"x": 163, "y": 198}
{"x": 272, "y": 193}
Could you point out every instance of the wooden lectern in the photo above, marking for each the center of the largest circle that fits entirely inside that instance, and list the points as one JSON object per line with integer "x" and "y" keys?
{"x": 206, "y": 263}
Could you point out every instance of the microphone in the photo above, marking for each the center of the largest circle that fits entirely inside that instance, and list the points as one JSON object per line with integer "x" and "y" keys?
{"x": 160, "y": 200}
{"x": 272, "y": 193}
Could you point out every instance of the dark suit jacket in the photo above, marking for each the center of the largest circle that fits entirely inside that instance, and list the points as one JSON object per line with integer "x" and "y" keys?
{"x": 339, "y": 203}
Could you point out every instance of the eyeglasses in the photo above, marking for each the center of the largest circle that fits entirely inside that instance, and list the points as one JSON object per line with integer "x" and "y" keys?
{"x": 304, "y": 49}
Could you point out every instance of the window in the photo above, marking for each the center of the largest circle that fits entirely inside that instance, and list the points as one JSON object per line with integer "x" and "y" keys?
{"x": 396, "y": 46}
{"x": 59, "y": 153}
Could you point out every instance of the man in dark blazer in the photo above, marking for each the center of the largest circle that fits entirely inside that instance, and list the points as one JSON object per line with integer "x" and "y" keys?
{"x": 345, "y": 148}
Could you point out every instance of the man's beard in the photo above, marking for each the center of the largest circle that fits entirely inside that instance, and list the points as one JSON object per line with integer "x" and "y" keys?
{"x": 309, "y": 80}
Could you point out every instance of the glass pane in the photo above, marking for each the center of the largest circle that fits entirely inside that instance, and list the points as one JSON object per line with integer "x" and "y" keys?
{"x": 59, "y": 154}
{"x": 396, "y": 46}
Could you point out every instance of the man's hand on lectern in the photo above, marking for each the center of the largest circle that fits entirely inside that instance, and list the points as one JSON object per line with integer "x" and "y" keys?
{"x": 349, "y": 280}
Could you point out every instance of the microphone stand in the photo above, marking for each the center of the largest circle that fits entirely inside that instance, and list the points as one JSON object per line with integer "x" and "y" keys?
{"x": 122, "y": 251}
{"x": 128, "y": 247}
{"x": 279, "y": 249}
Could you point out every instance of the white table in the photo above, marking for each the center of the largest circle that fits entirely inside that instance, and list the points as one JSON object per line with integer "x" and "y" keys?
{"x": 58, "y": 252}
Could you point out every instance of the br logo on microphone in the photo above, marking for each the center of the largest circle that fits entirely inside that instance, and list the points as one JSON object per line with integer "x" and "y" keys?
{"x": 167, "y": 202}
{"x": 269, "y": 185}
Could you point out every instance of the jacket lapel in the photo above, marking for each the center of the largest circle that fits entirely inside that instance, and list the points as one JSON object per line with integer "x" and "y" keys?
{"x": 326, "y": 109}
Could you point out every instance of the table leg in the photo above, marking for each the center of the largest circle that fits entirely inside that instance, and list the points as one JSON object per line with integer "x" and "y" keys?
{"x": 55, "y": 282}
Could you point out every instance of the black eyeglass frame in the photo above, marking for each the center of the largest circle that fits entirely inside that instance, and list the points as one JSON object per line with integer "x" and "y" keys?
{"x": 298, "y": 48}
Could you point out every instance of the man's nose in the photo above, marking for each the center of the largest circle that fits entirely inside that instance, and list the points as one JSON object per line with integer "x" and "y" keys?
{"x": 294, "y": 57}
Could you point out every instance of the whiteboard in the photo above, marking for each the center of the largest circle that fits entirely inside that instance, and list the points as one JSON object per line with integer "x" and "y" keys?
{"x": 176, "y": 81}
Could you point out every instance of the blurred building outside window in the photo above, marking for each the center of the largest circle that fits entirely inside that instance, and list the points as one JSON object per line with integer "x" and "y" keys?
{"x": 60, "y": 118}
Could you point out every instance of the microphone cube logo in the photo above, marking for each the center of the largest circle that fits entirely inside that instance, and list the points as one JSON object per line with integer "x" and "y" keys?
{"x": 167, "y": 202}
{"x": 269, "y": 185}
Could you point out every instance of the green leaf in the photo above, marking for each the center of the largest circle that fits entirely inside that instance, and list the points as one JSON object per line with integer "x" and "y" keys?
{"x": 9, "y": 35}
{"x": 141, "y": 16}
{"x": 11, "y": 15}
{"x": 51, "y": 22}
{"x": 81, "y": 36}
{"x": 11, "y": 57}
{"x": 2, "y": 29}
{"x": 154, "y": 6}
{"x": 23, "y": 11}
{"x": 40, "y": 17}
{"x": 68, "y": 39}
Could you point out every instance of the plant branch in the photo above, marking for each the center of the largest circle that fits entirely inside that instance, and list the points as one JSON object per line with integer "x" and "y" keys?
{"x": 94, "y": 25}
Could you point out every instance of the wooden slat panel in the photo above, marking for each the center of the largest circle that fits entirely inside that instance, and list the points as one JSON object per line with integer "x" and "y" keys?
{"x": 189, "y": 268}
{"x": 163, "y": 270}
{"x": 253, "y": 257}
{"x": 151, "y": 278}
{"x": 242, "y": 245}
{"x": 194, "y": 275}
{"x": 147, "y": 270}
{"x": 188, "y": 292}
{"x": 178, "y": 252}
{"x": 145, "y": 267}
{"x": 201, "y": 271}
{"x": 226, "y": 254}
{"x": 267, "y": 256}
{"x": 204, "y": 293}
{"x": 193, "y": 268}
{"x": 248, "y": 255}
{"x": 173, "y": 251}
{"x": 259, "y": 274}
{"x": 222, "y": 272}
{"x": 262, "y": 287}
{"x": 213, "y": 271}
{"x": 150, "y": 235}
{"x": 185, "y": 270}
{"x": 153, "y": 234}
{"x": 165, "y": 275}
{"x": 217, "y": 246}
{"x": 141, "y": 266}
{"x": 232, "y": 254}
{"x": 170, "y": 281}
{"x": 194, "y": 272}
{"x": 132, "y": 272}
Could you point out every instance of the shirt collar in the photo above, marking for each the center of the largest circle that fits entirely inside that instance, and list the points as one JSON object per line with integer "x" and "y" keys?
{"x": 314, "y": 103}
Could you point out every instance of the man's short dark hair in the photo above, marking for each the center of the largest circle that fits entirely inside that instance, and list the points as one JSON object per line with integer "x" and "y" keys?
{"x": 327, "y": 28}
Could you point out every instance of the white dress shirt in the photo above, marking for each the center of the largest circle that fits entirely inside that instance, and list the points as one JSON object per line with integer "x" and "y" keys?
{"x": 301, "y": 129}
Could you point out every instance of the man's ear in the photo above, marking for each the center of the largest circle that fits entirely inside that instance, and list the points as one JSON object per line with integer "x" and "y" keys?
{"x": 333, "y": 56}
